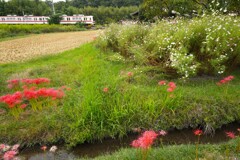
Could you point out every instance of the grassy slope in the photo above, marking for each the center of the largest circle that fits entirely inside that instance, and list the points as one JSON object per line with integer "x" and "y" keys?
{"x": 88, "y": 113}
{"x": 178, "y": 152}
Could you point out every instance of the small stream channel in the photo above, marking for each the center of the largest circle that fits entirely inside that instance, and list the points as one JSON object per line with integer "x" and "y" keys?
{"x": 184, "y": 136}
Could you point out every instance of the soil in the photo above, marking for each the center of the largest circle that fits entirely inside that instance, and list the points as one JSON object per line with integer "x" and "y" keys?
{"x": 22, "y": 49}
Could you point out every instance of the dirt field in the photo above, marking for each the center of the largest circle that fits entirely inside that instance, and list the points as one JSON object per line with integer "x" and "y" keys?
{"x": 36, "y": 45}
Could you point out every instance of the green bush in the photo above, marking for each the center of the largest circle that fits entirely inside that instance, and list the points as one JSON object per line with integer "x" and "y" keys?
{"x": 208, "y": 45}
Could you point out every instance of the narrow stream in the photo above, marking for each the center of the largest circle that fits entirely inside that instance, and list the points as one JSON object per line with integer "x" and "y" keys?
{"x": 184, "y": 136}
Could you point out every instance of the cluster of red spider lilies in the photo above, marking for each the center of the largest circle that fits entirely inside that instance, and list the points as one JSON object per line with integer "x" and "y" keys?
{"x": 30, "y": 93}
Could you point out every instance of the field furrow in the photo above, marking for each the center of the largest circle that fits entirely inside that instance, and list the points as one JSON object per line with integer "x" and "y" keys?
{"x": 37, "y": 45}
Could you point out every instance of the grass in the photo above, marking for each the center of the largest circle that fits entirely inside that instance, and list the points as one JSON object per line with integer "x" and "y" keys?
{"x": 87, "y": 113}
{"x": 177, "y": 152}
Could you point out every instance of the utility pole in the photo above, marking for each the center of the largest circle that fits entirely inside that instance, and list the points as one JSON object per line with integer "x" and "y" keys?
{"x": 53, "y": 8}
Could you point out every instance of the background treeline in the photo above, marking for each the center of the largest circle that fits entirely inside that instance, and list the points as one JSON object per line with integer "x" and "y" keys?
{"x": 107, "y": 11}
{"x": 102, "y": 10}
{"x": 157, "y": 9}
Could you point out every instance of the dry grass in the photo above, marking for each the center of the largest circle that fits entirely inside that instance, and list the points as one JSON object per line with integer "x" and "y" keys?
{"x": 26, "y": 48}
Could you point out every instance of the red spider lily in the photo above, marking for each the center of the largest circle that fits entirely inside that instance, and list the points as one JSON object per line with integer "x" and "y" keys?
{"x": 135, "y": 144}
{"x": 43, "y": 92}
{"x": 130, "y": 74}
{"x": 23, "y": 106}
{"x": 12, "y": 99}
{"x": 105, "y": 89}
{"x": 2, "y": 146}
{"x": 225, "y": 80}
{"x": 198, "y": 132}
{"x": 30, "y": 93}
{"x": 15, "y": 147}
{"x": 36, "y": 81}
{"x": 172, "y": 85}
{"x": 50, "y": 92}
{"x": 230, "y": 135}
{"x": 146, "y": 140}
{"x": 44, "y": 148}
{"x": 9, "y": 155}
{"x": 160, "y": 83}
{"x": 170, "y": 89}
{"x": 65, "y": 87}
{"x": 12, "y": 83}
{"x": 162, "y": 133}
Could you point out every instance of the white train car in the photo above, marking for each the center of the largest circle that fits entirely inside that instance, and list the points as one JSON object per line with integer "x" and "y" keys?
{"x": 77, "y": 18}
{"x": 30, "y": 19}
{"x": 27, "y": 19}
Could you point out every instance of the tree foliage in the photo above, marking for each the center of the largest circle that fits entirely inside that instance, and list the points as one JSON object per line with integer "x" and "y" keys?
{"x": 55, "y": 19}
{"x": 165, "y": 8}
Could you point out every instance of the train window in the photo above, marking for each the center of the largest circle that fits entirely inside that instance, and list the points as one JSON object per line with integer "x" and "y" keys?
{"x": 68, "y": 19}
{"x": 35, "y": 19}
{"x": 3, "y": 19}
{"x": 40, "y": 19}
{"x": 90, "y": 19}
{"x": 19, "y": 19}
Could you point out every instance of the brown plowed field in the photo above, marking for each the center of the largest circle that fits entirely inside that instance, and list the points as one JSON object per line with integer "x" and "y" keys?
{"x": 36, "y": 45}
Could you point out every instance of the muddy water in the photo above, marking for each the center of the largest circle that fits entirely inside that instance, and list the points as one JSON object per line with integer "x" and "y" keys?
{"x": 184, "y": 136}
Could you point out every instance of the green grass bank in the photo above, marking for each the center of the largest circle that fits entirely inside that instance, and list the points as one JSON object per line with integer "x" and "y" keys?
{"x": 178, "y": 152}
{"x": 87, "y": 113}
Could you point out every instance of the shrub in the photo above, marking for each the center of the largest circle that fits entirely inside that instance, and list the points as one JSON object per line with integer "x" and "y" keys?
{"x": 207, "y": 45}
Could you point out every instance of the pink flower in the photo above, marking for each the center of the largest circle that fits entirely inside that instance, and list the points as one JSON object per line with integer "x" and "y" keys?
{"x": 172, "y": 85}
{"x": 198, "y": 132}
{"x": 105, "y": 89}
{"x": 23, "y": 106}
{"x": 225, "y": 80}
{"x": 36, "y": 81}
{"x": 162, "y": 133}
{"x": 130, "y": 74}
{"x": 12, "y": 83}
{"x": 162, "y": 83}
{"x": 12, "y": 99}
{"x": 15, "y": 147}
{"x": 135, "y": 144}
{"x": 230, "y": 134}
{"x": 10, "y": 86}
{"x": 2, "y": 146}
{"x": 170, "y": 89}
{"x": 9, "y": 155}
{"x": 146, "y": 140}
{"x": 44, "y": 148}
